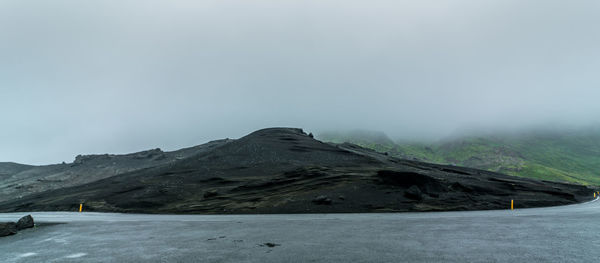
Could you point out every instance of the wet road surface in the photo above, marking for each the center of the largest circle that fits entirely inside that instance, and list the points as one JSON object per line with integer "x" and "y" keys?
{"x": 553, "y": 234}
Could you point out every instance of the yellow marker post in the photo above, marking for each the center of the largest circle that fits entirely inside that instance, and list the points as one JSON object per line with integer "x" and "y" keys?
{"x": 512, "y": 204}
{"x": 80, "y": 207}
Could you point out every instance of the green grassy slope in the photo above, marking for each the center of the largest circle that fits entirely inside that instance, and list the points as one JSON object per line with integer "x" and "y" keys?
{"x": 572, "y": 156}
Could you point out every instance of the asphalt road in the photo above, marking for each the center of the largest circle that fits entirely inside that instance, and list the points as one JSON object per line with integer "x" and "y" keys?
{"x": 554, "y": 234}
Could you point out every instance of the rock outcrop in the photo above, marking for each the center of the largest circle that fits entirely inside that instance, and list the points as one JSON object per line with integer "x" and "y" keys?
{"x": 7, "y": 229}
{"x": 11, "y": 228}
{"x": 25, "y": 222}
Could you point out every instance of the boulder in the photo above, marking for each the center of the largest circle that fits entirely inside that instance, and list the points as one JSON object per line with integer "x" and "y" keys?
{"x": 25, "y": 222}
{"x": 322, "y": 200}
{"x": 7, "y": 229}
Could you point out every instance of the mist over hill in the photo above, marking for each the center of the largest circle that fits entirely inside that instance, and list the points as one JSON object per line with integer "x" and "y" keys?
{"x": 557, "y": 154}
{"x": 179, "y": 73}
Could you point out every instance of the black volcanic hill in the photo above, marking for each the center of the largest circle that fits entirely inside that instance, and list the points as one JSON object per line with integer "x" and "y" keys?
{"x": 275, "y": 170}
{"x": 17, "y": 180}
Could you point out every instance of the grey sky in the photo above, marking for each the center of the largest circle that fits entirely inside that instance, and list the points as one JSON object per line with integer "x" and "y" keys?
{"x": 121, "y": 76}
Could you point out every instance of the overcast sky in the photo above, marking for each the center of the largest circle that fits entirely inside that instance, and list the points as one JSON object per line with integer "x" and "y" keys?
{"x": 123, "y": 76}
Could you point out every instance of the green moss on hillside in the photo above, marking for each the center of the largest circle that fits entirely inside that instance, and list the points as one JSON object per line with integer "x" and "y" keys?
{"x": 565, "y": 157}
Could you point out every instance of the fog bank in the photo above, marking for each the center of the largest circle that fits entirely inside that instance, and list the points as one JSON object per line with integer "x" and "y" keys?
{"x": 122, "y": 76}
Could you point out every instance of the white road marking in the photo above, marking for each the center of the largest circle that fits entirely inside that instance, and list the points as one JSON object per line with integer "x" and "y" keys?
{"x": 46, "y": 240}
{"x": 28, "y": 254}
{"x": 76, "y": 255}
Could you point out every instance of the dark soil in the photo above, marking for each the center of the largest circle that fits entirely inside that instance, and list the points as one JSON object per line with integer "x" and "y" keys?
{"x": 284, "y": 170}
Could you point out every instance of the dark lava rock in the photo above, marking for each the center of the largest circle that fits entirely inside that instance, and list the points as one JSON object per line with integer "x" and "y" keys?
{"x": 407, "y": 179}
{"x": 460, "y": 188}
{"x": 7, "y": 229}
{"x": 322, "y": 200}
{"x": 414, "y": 193}
{"x": 25, "y": 222}
{"x": 210, "y": 193}
{"x": 155, "y": 153}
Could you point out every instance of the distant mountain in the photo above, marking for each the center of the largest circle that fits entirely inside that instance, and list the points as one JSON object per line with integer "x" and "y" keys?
{"x": 564, "y": 156}
{"x": 8, "y": 169}
{"x": 18, "y": 180}
{"x": 274, "y": 170}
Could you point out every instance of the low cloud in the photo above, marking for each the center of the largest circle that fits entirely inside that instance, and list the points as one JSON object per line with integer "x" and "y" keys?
{"x": 94, "y": 77}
